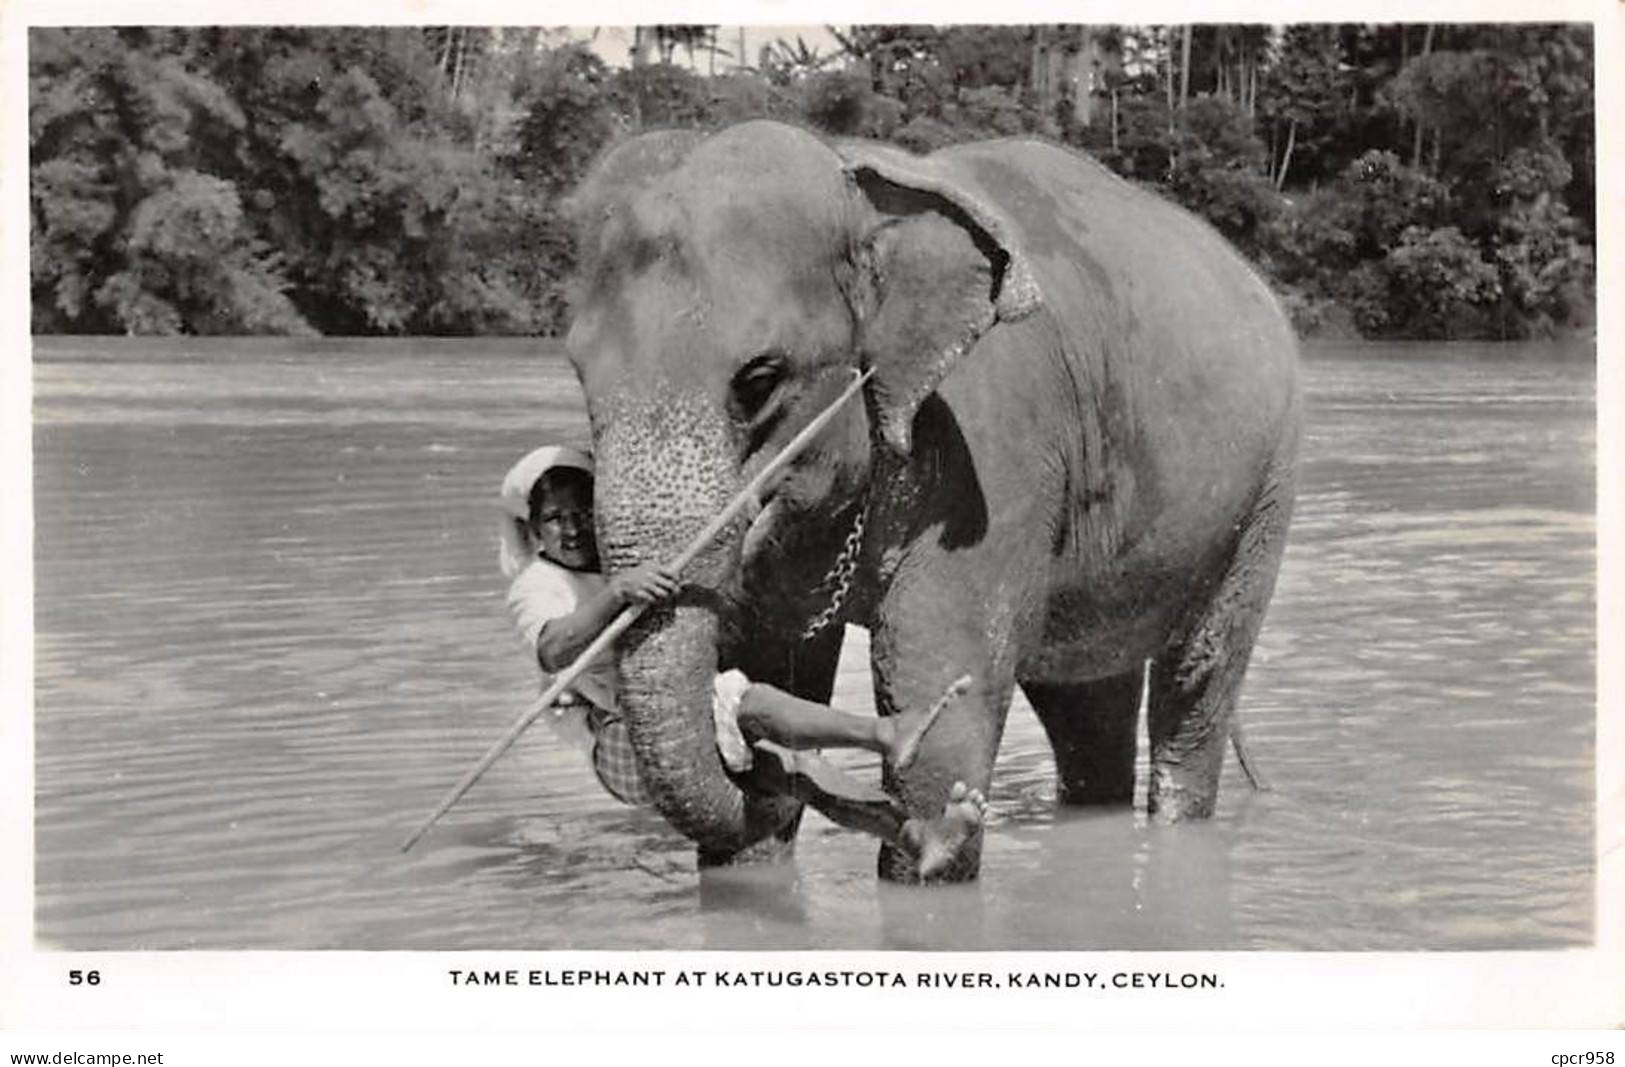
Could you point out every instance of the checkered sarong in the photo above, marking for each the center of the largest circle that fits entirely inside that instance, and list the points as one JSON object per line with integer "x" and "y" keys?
{"x": 613, "y": 760}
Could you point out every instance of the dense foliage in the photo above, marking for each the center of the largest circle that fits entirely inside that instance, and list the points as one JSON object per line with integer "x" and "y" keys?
{"x": 1394, "y": 181}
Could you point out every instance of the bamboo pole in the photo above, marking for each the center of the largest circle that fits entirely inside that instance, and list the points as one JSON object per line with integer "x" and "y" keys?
{"x": 630, "y": 613}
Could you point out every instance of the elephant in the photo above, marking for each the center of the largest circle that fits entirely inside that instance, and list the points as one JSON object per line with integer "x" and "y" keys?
{"x": 1072, "y": 468}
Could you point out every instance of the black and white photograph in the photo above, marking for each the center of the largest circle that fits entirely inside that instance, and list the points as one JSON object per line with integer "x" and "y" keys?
{"x": 944, "y": 486}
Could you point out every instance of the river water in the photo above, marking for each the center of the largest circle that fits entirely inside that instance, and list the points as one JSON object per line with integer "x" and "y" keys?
{"x": 270, "y": 632}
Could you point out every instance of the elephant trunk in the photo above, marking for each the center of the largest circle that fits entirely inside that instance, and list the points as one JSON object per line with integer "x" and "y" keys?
{"x": 664, "y": 469}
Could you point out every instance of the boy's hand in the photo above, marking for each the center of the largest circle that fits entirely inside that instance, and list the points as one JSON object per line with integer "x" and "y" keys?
{"x": 648, "y": 584}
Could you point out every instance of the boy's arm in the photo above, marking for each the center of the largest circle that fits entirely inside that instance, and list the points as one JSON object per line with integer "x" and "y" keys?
{"x": 564, "y": 638}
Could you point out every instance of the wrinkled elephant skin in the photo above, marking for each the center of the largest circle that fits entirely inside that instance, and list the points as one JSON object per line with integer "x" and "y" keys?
{"x": 1076, "y": 454}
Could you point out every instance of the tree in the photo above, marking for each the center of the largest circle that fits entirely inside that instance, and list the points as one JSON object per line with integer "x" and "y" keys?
{"x": 367, "y": 177}
{"x": 1487, "y": 94}
{"x": 663, "y": 95}
{"x": 1544, "y": 269}
{"x": 570, "y": 113}
{"x": 786, "y": 62}
{"x": 127, "y": 235}
{"x": 838, "y": 102}
{"x": 1432, "y": 284}
{"x": 903, "y": 64}
{"x": 977, "y": 57}
{"x": 1218, "y": 169}
{"x": 399, "y": 179}
{"x": 690, "y": 38}
{"x": 1135, "y": 138}
{"x": 993, "y": 111}
{"x": 159, "y": 195}
{"x": 1303, "y": 90}
{"x": 745, "y": 94}
{"x": 191, "y": 265}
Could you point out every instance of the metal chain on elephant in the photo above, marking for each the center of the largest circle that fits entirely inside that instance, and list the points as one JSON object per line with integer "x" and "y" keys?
{"x": 839, "y": 578}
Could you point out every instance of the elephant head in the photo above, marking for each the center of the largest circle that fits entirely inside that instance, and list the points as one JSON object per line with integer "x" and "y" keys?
{"x": 728, "y": 287}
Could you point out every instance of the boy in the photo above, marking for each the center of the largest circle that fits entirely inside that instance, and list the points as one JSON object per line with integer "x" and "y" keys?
{"x": 561, "y": 601}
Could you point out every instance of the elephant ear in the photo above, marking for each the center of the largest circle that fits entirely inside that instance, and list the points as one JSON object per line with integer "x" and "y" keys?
{"x": 937, "y": 269}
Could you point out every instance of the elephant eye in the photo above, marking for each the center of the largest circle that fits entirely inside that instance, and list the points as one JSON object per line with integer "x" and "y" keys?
{"x": 756, "y": 382}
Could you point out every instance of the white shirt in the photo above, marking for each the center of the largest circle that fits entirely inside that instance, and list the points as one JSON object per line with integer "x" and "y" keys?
{"x": 544, "y": 591}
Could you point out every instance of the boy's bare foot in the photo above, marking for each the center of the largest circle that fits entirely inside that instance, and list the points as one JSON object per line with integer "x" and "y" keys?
{"x": 936, "y": 842}
{"x": 903, "y": 733}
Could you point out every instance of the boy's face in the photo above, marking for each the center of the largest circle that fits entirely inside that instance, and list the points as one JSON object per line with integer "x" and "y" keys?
{"x": 562, "y": 526}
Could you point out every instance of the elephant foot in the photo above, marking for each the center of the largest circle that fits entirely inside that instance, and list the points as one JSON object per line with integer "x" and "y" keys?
{"x": 937, "y": 842}
{"x": 1170, "y": 800}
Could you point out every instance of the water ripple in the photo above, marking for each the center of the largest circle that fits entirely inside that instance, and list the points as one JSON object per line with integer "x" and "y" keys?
{"x": 269, "y": 632}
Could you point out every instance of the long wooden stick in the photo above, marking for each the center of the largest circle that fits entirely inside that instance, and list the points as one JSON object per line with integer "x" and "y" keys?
{"x": 629, "y": 614}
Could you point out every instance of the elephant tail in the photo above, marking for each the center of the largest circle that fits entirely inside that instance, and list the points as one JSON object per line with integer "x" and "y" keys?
{"x": 1254, "y": 775}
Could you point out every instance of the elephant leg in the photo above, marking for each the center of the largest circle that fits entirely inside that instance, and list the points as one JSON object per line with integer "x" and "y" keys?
{"x": 1092, "y": 729}
{"x": 807, "y": 669}
{"x": 1196, "y": 682}
{"x": 913, "y": 666}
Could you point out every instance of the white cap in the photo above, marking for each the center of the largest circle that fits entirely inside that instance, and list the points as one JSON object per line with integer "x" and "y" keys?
{"x": 517, "y": 548}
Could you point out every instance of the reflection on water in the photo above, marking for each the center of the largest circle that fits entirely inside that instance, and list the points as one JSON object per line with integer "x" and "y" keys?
{"x": 270, "y": 632}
